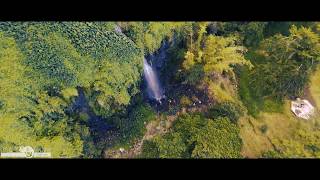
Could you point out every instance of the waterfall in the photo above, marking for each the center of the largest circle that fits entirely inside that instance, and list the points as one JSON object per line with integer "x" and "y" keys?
{"x": 154, "y": 88}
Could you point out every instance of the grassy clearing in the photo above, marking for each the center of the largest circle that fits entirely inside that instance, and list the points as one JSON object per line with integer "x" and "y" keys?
{"x": 265, "y": 119}
{"x": 315, "y": 87}
{"x": 254, "y": 141}
{"x": 222, "y": 91}
{"x": 258, "y": 133}
{"x": 280, "y": 125}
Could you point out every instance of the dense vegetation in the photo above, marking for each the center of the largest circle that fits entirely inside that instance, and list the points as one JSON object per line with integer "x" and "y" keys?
{"x": 50, "y": 61}
{"x": 226, "y": 82}
{"x": 196, "y": 137}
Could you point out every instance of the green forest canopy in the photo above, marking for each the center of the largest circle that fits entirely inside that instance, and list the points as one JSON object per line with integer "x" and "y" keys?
{"x": 244, "y": 67}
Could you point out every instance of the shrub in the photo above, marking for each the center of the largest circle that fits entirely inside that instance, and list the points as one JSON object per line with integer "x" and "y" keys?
{"x": 69, "y": 92}
{"x": 133, "y": 127}
{"x": 149, "y": 150}
{"x": 229, "y": 110}
{"x": 185, "y": 101}
{"x": 83, "y": 116}
{"x": 194, "y": 136}
{"x": 1, "y": 104}
{"x": 264, "y": 128}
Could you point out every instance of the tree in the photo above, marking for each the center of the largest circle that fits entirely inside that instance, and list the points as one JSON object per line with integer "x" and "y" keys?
{"x": 149, "y": 35}
{"x": 253, "y": 33}
{"x": 113, "y": 86}
{"x": 133, "y": 126}
{"x": 230, "y": 110}
{"x": 171, "y": 146}
{"x": 194, "y": 136}
{"x": 25, "y": 119}
{"x": 221, "y": 53}
{"x": 216, "y": 57}
{"x": 43, "y": 64}
{"x": 289, "y": 60}
{"x": 218, "y": 139}
{"x": 211, "y": 62}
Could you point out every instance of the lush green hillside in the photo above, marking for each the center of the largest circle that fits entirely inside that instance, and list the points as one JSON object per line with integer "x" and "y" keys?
{"x": 76, "y": 89}
{"x": 43, "y": 62}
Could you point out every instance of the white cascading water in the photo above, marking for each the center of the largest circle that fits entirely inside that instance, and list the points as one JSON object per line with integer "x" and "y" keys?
{"x": 154, "y": 88}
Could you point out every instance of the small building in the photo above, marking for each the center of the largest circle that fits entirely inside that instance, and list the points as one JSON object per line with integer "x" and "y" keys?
{"x": 302, "y": 108}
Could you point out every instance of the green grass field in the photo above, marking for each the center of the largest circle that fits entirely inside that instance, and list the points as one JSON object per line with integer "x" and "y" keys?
{"x": 269, "y": 120}
{"x": 278, "y": 126}
{"x": 315, "y": 87}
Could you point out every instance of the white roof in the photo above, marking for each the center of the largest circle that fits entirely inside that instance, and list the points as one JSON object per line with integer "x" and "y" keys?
{"x": 302, "y": 108}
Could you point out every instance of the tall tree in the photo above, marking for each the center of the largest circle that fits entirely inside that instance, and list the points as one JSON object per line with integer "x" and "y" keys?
{"x": 289, "y": 60}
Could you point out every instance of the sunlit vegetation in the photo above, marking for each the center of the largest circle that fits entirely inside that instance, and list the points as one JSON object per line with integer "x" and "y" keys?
{"x": 197, "y": 137}
{"x": 77, "y": 89}
{"x": 50, "y": 61}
